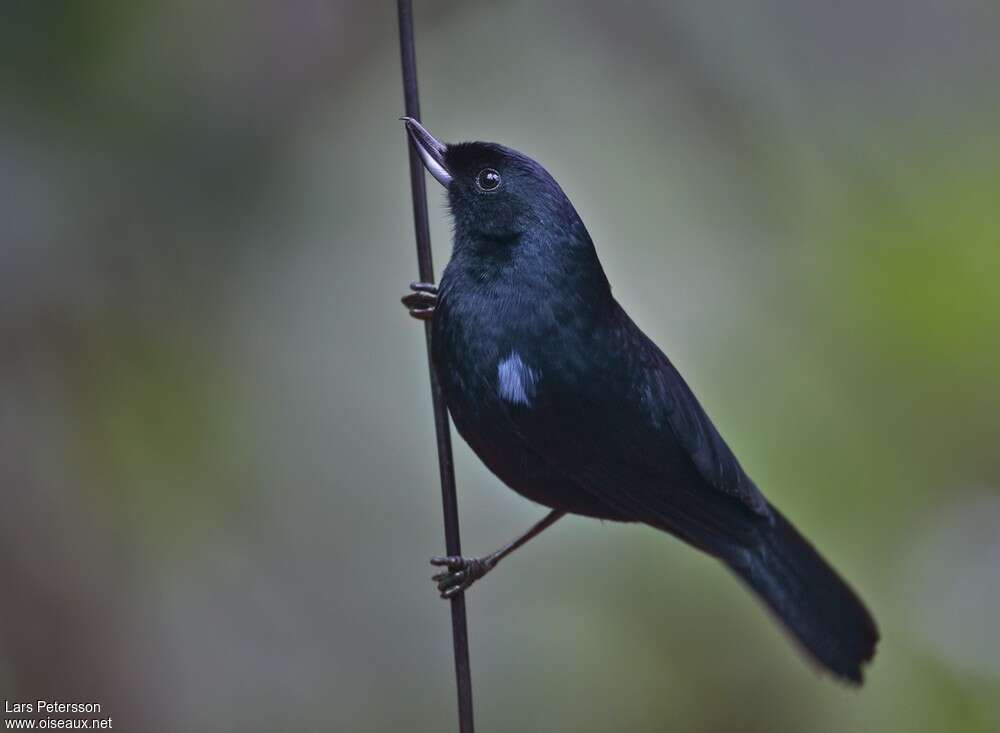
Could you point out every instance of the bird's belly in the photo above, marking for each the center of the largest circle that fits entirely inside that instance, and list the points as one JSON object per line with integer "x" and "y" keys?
{"x": 482, "y": 418}
{"x": 487, "y": 376}
{"x": 528, "y": 474}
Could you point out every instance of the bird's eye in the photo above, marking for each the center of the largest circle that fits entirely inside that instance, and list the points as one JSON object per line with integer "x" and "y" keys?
{"x": 488, "y": 180}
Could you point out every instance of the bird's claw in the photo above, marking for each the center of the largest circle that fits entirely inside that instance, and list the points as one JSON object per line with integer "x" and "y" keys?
{"x": 422, "y": 301}
{"x": 461, "y": 573}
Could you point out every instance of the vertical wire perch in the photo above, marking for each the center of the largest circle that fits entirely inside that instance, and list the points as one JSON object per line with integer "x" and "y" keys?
{"x": 460, "y": 636}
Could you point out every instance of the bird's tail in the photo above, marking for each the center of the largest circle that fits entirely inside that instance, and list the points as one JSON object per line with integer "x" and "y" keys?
{"x": 817, "y": 607}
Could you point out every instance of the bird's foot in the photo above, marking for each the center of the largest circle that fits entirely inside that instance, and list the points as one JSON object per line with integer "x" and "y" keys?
{"x": 461, "y": 573}
{"x": 422, "y": 301}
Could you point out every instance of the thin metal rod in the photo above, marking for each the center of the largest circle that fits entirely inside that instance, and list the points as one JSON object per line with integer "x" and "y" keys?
{"x": 459, "y": 631}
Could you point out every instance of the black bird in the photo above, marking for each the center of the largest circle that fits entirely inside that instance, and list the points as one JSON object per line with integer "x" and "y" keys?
{"x": 572, "y": 406}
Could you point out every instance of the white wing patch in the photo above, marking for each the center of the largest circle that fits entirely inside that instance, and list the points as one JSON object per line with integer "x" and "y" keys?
{"x": 516, "y": 380}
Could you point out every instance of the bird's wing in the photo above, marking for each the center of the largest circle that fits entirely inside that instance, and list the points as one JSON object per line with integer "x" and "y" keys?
{"x": 668, "y": 396}
{"x": 612, "y": 413}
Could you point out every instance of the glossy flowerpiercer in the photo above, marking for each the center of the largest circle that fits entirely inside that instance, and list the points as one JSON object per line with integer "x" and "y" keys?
{"x": 571, "y": 405}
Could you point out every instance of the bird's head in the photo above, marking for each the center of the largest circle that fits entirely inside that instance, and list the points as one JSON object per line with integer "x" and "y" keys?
{"x": 494, "y": 192}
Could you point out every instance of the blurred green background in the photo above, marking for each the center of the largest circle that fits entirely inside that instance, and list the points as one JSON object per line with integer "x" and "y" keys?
{"x": 217, "y": 471}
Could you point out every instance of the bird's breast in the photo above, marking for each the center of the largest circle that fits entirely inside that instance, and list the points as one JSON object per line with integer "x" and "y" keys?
{"x": 483, "y": 356}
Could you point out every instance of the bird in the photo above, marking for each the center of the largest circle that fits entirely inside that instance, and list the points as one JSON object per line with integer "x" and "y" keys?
{"x": 565, "y": 399}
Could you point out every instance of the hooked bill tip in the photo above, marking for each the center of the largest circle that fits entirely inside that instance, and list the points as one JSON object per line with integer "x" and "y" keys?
{"x": 431, "y": 150}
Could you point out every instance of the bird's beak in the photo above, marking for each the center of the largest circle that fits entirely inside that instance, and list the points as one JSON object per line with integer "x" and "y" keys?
{"x": 431, "y": 151}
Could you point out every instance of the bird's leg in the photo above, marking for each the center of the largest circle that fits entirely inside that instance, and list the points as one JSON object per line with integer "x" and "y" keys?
{"x": 421, "y": 302}
{"x": 464, "y": 571}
